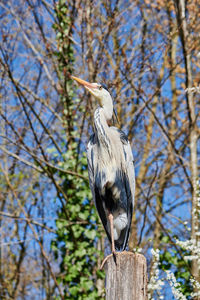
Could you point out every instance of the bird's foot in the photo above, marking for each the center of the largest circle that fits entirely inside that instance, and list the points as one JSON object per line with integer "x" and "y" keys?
{"x": 104, "y": 261}
{"x": 114, "y": 254}
{"x": 115, "y": 257}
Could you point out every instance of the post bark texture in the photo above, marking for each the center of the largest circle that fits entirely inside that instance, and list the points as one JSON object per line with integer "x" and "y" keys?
{"x": 127, "y": 278}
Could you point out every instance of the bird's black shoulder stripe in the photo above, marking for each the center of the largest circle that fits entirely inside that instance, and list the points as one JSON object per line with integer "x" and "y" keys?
{"x": 104, "y": 86}
{"x": 123, "y": 137}
{"x": 92, "y": 139}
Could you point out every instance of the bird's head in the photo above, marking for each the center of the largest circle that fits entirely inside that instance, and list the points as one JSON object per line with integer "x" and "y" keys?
{"x": 98, "y": 91}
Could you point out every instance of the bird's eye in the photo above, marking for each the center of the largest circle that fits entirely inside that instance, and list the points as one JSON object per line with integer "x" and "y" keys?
{"x": 100, "y": 88}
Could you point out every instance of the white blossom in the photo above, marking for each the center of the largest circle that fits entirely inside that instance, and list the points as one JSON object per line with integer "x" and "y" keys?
{"x": 155, "y": 284}
{"x": 175, "y": 286}
{"x": 196, "y": 286}
{"x": 191, "y": 245}
{"x": 138, "y": 250}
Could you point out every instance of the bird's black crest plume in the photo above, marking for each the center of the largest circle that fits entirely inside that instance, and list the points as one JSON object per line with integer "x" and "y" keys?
{"x": 104, "y": 86}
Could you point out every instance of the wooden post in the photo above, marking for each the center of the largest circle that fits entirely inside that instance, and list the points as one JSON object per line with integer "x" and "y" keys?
{"x": 127, "y": 278}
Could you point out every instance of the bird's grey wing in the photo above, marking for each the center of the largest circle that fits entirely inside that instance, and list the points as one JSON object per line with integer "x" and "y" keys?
{"x": 129, "y": 163}
{"x": 129, "y": 184}
{"x": 92, "y": 169}
{"x": 91, "y": 147}
{"x": 130, "y": 171}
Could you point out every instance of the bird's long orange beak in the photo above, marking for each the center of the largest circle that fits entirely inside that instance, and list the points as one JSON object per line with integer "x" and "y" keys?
{"x": 85, "y": 83}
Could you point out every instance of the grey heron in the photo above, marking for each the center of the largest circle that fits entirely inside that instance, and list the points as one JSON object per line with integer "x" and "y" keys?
{"x": 111, "y": 170}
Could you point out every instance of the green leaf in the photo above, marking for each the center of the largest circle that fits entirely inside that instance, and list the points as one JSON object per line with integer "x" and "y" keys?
{"x": 83, "y": 215}
{"x": 80, "y": 252}
{"x": 90, "y": 233}
{"x": 165, "y": 239}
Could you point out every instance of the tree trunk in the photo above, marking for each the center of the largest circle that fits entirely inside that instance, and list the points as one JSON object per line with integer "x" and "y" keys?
{"x": 193, "y": 136}
{"x": 126, "y": 279}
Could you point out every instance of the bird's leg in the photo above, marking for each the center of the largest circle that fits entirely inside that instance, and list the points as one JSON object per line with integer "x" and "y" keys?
{"x": 110, "y": 217}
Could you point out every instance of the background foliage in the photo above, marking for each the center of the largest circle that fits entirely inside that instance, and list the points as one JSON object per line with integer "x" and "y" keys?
{"x": 148, "y": 54}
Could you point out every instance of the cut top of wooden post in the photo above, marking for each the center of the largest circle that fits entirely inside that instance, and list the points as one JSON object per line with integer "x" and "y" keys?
{"x": 127, "y": 278}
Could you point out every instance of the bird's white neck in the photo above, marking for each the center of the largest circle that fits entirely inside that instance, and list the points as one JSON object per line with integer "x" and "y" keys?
{"x": 101, "y": 126}
{"x": 107, "y": 111}
{"x": 106, "y": 108}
